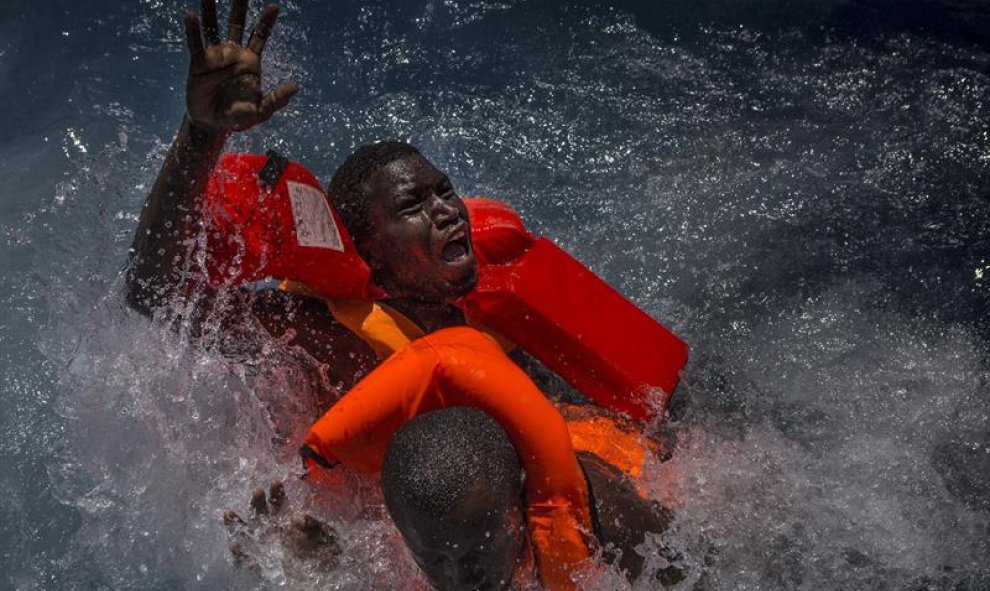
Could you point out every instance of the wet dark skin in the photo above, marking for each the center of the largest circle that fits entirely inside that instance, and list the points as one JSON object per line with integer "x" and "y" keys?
{"x": 418, "y": 245}
{"x": 468, "y": 549}
{"x": 418, "y": 216}
{"x": 480, "y": 545}
{"x": 411, "y": 199}
{"x": 223, "y": 95}
{"x": 307, "y": 539}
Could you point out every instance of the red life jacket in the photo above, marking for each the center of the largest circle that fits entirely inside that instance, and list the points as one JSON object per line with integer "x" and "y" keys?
{"x": 268, "y": 218}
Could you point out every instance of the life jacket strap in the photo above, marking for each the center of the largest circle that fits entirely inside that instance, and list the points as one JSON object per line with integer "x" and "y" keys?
{"x": 272, "y": 171}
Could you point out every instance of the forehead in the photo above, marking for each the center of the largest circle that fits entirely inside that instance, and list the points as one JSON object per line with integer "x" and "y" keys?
{"x": 461, "y": 534}
{"x": 404, "y": 173}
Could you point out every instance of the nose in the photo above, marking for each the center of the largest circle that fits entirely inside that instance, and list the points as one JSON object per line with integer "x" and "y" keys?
{"x": 455, "y": 572}
{"x": 443, "y": 211}
{"x": 466, "y": 576}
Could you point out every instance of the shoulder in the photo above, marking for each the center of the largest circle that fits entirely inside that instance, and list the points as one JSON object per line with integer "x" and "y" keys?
{"x": 306, "y": 322}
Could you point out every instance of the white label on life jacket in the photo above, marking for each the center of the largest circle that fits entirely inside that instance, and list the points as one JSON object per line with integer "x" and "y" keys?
{"x": 315, "y": 225}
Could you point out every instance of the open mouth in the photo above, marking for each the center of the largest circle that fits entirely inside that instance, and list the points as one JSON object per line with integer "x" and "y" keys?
{"x": 456, "y": 249}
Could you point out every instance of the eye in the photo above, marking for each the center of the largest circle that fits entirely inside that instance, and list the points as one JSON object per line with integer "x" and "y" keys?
{"x": 446, "y": 189}
{"x": 409, "y": 206}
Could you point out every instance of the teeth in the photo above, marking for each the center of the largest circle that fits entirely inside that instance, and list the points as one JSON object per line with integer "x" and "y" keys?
{"x": 454, "y": 250}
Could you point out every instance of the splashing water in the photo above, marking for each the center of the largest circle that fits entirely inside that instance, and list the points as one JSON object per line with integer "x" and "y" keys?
{"x": 798, "y": 189}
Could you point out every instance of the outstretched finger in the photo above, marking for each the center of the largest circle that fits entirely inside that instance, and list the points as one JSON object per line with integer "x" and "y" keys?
{"x": 307, "y": 524}
{"x": 258, "y": 502}
{"x": 263, "y": 29}
{"x": 237, "y": 550}
{"x": 276, "y": 496}
{"x": 277, "y": 99}
{"x": 230, "y": 518}
{"x": 194, "y": 39}
{"x": 211, "y": 30}
{"x": 238, "y": 15}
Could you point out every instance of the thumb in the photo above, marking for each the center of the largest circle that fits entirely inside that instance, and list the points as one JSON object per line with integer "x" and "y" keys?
{"x": 277, "y": 99}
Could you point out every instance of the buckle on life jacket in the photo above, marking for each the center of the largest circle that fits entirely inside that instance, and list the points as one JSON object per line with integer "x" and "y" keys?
{"x": 272, "y": 171}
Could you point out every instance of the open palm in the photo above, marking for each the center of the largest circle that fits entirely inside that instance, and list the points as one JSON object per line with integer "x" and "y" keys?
{"x": 223, "y": 91}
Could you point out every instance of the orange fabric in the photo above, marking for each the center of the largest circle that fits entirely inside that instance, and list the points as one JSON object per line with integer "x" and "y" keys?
{"x": 611, "y": 437}
{"x": 560, "y": 312}
{"x": 592, "y": 428}
{"x": 464, "y": 367}
{"x": 497, "y": 232}
{"x": 529, "y": 290}
{"x": 384, "y": 328}
{"x": 289, "y": 231}
{"x": 600, "y": 436}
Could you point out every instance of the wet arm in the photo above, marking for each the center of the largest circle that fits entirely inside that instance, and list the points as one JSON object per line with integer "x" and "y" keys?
{"x": 164, "y": 243}
{"x": 223, "y": 95}
{"x": 305, "y": 322}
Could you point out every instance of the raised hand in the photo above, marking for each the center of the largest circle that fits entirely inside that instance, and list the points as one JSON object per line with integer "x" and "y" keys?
{"x": 223, "y": 90}
{"x": 223, "y": 94}
{"x": 309, "y": 545}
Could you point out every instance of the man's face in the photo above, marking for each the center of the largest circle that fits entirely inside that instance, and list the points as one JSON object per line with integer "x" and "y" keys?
{"x": 478, "y": 553}
{"x": 419, "y": 239}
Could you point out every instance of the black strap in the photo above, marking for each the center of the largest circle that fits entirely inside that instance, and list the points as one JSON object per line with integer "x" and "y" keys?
{"x": 596, "y": 524}
{"x": 273, "y": 169}
{"x": 308, "y": 453}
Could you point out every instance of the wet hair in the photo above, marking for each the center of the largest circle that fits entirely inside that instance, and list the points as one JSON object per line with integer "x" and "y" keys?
{"x": 347, "y": 185}
{"x": 437, "y": 461}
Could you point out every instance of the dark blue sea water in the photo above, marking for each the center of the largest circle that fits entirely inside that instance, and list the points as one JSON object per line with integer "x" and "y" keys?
{"x": 801, "y": 189}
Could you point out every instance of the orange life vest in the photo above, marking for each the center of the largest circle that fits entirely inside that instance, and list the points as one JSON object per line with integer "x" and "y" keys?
{"x": 592, "y": 429}
{"x": 462, "y": 366}
{"x": 611, "y": 438}
{"x": 268, "y": 218}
